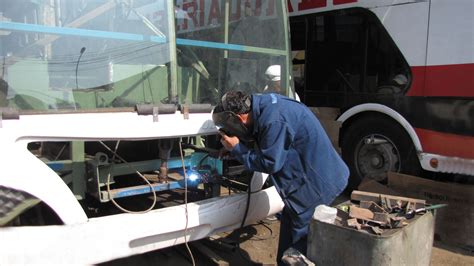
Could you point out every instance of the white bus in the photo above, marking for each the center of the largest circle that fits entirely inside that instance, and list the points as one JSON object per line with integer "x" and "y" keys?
{"x": 400, "y": 73}
{"x": 105, "y": 108}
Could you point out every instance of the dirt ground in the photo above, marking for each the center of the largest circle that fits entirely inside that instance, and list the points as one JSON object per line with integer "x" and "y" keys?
{"x": 259, "y": 247}
{"x": 256, "y": 245}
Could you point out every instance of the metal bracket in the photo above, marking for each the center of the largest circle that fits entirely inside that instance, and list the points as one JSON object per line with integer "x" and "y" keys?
{"x": 187, "y": 109}
{"x": 8, "y": 113}
{"x": 155, "y": 113}
{"x": 185, "y": 112}
{"x": 149, "y": 109}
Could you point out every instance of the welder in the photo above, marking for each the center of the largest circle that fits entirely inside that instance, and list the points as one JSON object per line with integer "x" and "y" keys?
{"x": 289, "y": 144}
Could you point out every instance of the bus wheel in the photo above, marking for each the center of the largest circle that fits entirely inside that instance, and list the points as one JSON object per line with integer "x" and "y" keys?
{"x": 373, "y": 147}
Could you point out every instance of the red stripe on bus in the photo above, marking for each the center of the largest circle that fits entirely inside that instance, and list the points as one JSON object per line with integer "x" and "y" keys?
{"x": 290, "y": 7}
{"x": 446, "y": 144}
{"x": 445, "y": 80}
{"x": 417, "y": 81}
{"x": 309, "y": 4}
{"x": 340, "y": 2}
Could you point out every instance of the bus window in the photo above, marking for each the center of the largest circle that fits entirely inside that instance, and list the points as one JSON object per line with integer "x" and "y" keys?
{"x": 114, "y": 55}
{"x": 242, "y": 67}
{"x": 298, "y": 45}
{"x": 352, "y": 58}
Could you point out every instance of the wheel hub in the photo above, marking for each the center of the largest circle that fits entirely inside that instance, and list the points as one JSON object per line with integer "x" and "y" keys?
{"x": 375, "y": 156}
{"x": 376, "y": 161}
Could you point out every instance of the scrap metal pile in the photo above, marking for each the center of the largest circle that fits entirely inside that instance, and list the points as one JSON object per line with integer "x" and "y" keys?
{"x": 380, "y": 213}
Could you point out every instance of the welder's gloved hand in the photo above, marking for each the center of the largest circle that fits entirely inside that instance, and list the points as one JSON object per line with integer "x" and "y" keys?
{"x": 228, "y": 142}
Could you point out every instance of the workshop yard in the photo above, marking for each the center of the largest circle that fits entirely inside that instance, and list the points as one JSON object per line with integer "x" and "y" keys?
{"x": 256, "y": 244}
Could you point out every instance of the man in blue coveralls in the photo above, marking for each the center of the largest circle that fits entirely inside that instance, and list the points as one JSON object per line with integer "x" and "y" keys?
{"x": 292, "y": 147}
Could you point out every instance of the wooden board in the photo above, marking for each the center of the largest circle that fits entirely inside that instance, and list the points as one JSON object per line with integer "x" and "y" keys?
{"x": 360, "y": 213}
{"x": 369, "y": 196}
{"x": 370, "y": 185}
{"x": 327, "y": 117}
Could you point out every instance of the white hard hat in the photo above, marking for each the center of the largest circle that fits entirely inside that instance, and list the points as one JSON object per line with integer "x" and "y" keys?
{"x": 273, "y": 72}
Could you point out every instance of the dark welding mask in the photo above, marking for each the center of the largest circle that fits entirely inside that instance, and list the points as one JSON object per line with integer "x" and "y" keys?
{"x": 230, "y": 123}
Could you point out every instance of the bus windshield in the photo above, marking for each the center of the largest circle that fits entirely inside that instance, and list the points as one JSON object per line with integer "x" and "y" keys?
{"x": 105, "y": 54}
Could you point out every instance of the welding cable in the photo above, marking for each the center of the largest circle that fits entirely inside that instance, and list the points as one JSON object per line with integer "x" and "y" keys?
{"x": 114, "y": 154}
{"x": 185, "y": 202}
{"x": 249, "y": 190}
{"x": 202, "y": 160}
{"x": 249, "y": 193}
{"x": 257, "y": 238}
{"x": 240, "y": 250}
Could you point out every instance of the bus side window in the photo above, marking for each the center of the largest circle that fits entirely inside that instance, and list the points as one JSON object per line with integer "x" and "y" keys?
{"x": 298, "y": 45}
{"x": 350, "y": 57}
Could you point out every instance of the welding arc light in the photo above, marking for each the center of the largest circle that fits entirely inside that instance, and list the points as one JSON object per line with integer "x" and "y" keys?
{"x": 192, "y": 175}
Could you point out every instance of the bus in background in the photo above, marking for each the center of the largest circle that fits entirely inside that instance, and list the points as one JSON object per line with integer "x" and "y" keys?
{"x": 401, "y": 74}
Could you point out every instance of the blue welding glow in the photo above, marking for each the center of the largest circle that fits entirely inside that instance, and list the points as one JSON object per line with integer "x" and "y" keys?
{"x": 193, "y": 176}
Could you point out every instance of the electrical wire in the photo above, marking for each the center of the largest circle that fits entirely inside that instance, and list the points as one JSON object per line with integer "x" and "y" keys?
{"x": 114, "y": 152}
{"x": 121, "y": 49}
{"x": 256, "y": 238}
{"x": 185, "y": 202}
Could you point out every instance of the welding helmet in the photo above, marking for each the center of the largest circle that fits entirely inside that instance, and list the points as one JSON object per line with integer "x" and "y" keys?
{"x": 226, "y": 118}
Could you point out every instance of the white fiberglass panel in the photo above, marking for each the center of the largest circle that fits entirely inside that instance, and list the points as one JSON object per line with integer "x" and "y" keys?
{"x": 451, "y": 36}
{"x": 108, "y": 238}
{"x": 408, "y": 26}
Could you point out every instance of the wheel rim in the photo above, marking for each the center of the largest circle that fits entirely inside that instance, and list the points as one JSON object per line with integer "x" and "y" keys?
{"x": 375, "y": 155}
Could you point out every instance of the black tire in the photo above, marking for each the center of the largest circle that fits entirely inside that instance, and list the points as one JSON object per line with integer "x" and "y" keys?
{"x": 373, "y": 145}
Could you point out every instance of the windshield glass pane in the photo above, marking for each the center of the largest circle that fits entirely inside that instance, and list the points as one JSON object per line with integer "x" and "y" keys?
{"x": 83, "y": 54}
{"x": 228, "y": 45}
{"x": 98, "y": 54}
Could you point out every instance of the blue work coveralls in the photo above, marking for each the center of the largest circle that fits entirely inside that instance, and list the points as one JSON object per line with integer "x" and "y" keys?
{"x": 292, "y": 146}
